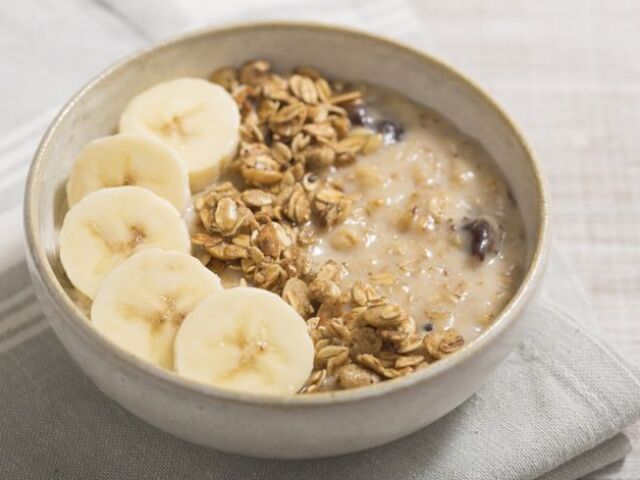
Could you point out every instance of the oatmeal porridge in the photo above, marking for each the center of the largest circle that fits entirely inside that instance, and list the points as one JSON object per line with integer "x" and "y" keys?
{"x": 349, "y": 235}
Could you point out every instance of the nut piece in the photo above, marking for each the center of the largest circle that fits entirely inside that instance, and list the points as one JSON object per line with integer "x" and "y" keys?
{"x": 353, "y": 376}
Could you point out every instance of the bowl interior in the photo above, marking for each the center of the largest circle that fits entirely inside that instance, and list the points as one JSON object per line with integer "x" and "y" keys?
{"x": 94, "y": 112}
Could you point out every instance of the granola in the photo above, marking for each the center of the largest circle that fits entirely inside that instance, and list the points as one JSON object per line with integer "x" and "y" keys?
{"x": 297, "y": 208}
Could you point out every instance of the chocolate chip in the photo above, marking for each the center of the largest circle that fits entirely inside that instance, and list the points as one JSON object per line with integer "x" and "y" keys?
{"x": 390, "y": 131}
{"x": 484, "y": 237}
{"x": 427, "y": 327}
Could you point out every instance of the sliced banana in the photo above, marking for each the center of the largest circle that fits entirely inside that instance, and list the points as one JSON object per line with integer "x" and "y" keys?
{"x": 245, "y": 339}
{"x": 140, "y": 304}
{"x": 198, "y": 118}
{"x": 107, "y": 226}
{"x": 129, "y": 159}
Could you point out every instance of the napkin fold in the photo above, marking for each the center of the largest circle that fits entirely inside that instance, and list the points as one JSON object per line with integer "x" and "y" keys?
{"x": 553, "y": 409}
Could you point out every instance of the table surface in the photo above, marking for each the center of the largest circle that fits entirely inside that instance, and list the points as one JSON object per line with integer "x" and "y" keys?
{"x": 569, "y": 73}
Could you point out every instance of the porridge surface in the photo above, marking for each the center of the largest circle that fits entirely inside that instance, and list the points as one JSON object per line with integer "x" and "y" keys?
{"x": 404, "y": 233}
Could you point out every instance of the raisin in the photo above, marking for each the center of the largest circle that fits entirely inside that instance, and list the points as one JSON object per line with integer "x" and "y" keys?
{"x": 484, "y": 237}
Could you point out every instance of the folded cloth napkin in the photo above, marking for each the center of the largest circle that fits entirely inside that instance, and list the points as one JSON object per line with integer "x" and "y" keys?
{"x": 553, "y": 409}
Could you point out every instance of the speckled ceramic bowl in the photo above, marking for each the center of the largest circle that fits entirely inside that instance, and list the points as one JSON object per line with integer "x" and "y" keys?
{"x": 298, "y": 426}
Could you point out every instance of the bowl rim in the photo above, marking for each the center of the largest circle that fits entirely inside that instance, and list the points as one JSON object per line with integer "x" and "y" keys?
{"x": 168, "y": 379}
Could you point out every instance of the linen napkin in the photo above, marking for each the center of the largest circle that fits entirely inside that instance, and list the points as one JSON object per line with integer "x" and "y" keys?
{"x": 553, "y": 410}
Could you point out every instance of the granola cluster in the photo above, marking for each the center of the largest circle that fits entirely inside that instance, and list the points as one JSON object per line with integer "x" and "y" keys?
{"x": 264, "y": 220}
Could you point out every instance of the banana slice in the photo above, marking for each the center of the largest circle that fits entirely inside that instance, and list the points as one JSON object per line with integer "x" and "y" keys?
{"x": 140, "y": 304}
{"x": 129, "y": 159}
{"x": 245, "y": 339}
{"x": 198, "y": 118}
{"x": 107, "y": 226}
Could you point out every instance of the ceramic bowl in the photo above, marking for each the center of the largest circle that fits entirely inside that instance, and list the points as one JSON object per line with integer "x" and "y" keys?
{"x": 298, "y": 426}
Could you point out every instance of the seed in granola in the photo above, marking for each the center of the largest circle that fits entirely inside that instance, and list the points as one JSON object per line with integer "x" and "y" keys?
{"x": 310, "y": 182}
{"x": 353, "y": 376}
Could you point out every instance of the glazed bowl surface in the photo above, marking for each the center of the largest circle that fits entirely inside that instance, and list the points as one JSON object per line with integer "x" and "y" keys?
{"x": 301, "y": 426}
